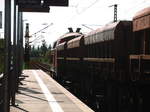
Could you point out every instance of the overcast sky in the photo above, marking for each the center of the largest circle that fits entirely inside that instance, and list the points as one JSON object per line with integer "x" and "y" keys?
{"x": 92, "y": 13}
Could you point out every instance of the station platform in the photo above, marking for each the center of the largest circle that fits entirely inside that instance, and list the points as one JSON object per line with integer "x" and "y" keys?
{"x": 40, "y": 93}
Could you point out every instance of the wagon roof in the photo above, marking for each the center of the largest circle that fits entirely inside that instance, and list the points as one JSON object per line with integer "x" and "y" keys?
{"x": 74, "y": 42}
{"x": 61, "y": 46}
{"x": 106, "y": 33}
{"x": 70, "y": 34}
{"x": 105, "y": 28}
{"x": 75, "y": 39}
{"x": 144, "y": 12}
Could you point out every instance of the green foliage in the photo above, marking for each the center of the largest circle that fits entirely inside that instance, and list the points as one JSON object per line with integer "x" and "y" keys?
{"x": 35, "y": 52}
{"x": 41, "y": 53}
{"x": 1, "y": 56}
{"x": 43, "y": 48}
{"x": 48, "y": 56}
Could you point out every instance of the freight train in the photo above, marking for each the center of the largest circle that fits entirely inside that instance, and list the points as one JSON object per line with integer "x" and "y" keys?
{"x": 108, "y": 68}
{"x": 1, "y": 56}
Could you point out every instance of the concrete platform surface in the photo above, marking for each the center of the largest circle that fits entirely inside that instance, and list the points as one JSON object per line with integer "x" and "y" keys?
{"x": 40, "y": 93}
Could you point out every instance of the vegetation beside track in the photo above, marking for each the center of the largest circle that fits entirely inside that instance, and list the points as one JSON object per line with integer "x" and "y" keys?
{"x": 41, "y": 53}
{"x": 40, "y": 57}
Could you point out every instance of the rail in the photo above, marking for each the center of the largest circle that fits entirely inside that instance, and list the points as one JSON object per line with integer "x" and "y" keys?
{"x": 39, "y": 65}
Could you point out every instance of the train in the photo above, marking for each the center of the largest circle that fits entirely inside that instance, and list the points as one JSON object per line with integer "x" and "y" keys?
{"x": 107, "y": 68}
{"x": 1, "y": 56}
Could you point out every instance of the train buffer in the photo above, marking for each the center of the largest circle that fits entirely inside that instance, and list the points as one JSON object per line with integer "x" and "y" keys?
{"x": 40, "y": 93}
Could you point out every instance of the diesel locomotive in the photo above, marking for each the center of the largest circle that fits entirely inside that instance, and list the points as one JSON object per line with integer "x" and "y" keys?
{"x": 108, "y": 68}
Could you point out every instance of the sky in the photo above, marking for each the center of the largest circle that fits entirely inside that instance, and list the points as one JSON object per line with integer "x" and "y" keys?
{"x": 85, "y": 14}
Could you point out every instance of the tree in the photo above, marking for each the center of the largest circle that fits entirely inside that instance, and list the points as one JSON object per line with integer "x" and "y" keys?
{"x": 44, "y": 48}
{"x": 49, "y": 48}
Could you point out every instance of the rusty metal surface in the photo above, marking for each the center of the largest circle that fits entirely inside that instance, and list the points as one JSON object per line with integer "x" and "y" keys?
{"x": 70, "y": 34}
{"x": 61, "y": 46}
{"x": 141, "y": 13}
{"x": 141, "y": 20}
{"x": 74, "y": 42}
{"x": 141, "y": 56}
{"x": 102, "y": 34}
{"x": 109, "y": 32}
{"x": 67, "y": 37}
{"x": 141, "y": 23}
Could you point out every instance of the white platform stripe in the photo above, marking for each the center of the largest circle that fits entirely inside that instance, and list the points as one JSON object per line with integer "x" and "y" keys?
{"x": 51, "y": 100}
{"x": 74, "y": 99}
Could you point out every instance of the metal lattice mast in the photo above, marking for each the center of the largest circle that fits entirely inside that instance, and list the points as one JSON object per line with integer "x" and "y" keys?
{"x": 115, "y": 11}
{"x": 27, "y": 47}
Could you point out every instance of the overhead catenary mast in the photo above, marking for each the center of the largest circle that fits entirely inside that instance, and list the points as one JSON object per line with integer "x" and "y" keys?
{"x": 27, "y": 46}
{"x": 115, "y": 11}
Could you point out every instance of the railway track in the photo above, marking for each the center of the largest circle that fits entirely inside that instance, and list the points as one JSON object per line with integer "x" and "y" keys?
{"x": 39, "y": 65}
{"x": 67, "y": 85}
